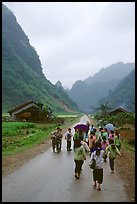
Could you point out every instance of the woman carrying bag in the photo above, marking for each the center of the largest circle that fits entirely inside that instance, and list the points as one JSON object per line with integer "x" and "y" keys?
{"x": 98, "y": 155}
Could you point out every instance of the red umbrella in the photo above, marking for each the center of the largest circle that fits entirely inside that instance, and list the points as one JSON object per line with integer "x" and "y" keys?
{"x": 81, "y": 127}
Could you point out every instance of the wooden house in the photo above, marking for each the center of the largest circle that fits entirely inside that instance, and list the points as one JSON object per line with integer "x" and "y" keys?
{"x": 30, "y": 111}
{"x": 117, "y": 111}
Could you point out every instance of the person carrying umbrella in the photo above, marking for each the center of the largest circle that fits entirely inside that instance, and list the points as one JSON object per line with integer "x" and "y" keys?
{"x": 86, "y": 131}
{"x": 79, "y": 134}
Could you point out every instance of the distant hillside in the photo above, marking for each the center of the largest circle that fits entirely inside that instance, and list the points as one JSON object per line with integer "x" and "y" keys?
{"x": 22, "y": 76}
{"x": 115, "y": 71}
{"x": 89, "y": 92}
{"x": 124, "y": 94}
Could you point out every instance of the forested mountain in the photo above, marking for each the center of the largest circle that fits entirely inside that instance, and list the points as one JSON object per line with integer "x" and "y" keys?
{"x": 58, "y": 84}
{"x": 115, "y": 71}
{"x": 22, "y": 76}
{"x": 89, "y": 92}
{"x": 124, "y": 94}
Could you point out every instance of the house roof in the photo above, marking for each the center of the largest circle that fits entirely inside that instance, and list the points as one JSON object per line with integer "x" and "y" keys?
{"x": 118, "y": 109}
{"x": 25, "y": 104}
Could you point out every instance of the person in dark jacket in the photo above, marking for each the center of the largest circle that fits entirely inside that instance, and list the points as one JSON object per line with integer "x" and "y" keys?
{"x": 55, "y": 137}
{"x": 68, "y": 137}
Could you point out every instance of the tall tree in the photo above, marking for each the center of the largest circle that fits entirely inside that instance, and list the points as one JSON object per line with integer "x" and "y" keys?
{"x": 104, "y": 108}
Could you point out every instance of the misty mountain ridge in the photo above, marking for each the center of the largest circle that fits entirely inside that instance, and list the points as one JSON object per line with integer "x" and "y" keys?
{"x": 22, "y": 76}
{"x": 23, "y": 79}
{"x": 58, "y": 84}
{"x": 124, "y": 94}
{"x": 87, "y": 93}
{"x": 115, "y": 71}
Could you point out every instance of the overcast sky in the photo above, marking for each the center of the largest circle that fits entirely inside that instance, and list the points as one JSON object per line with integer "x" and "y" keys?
{"x": 74, "y": 40}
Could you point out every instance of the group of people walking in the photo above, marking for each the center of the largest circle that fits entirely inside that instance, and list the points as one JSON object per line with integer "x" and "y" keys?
{"x": 98, "y": 144}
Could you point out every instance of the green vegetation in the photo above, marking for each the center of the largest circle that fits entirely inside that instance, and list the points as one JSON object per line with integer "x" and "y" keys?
{"x": 15, "y": 128}
{"x": 124, "y": 93}
{"x": 103, "y": 109}
{"x": 118, "y": 120}
{"x": 18, "y": 136}
{"x": 122, "y": 121}
{"x": 128, "y": 146}
{"x": 22, "y": 76}
{"x": 99, "y": 88}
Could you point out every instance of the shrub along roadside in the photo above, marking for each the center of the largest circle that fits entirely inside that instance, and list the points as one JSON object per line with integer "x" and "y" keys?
{"x": 128, "y": 139}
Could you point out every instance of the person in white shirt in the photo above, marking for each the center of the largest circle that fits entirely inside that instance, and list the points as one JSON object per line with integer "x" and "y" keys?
{"x": 98, "y": 170}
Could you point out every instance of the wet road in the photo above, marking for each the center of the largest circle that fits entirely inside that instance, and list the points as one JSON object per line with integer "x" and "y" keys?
{"x": 49, "y": 177}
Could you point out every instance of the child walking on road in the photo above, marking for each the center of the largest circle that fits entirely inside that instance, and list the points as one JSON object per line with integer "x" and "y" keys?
{"x": 117, "y": 140}
{"x": 92, "y": 142}
{"x": 104, "y": 145}
{"x": 68, "y": 137}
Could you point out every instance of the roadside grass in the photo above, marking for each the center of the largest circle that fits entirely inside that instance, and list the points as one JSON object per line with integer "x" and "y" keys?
{"x": 15, "y": 128}
{"x": 127, "y": 146}
{"x": 129, "y": 149}
{"x": 18, "y": 136}
{"x": 128, "y": 138}
{"x": 128, "y": 142}
{"x": 25, "y": 137}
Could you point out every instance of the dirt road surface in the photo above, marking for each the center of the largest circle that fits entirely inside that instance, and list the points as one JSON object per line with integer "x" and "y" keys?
{"x": 49, "y": 177}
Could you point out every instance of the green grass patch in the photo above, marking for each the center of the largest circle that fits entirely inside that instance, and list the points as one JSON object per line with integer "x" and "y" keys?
{"x": 25, "y": 136}
{"x": 5, "y": 114}
{"x": 18, "y": 136}
{"x": 15, "y": 128}
{"x": 127, "y": 146}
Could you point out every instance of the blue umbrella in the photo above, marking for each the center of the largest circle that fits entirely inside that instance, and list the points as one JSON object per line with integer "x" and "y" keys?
{"x": 109, "y": 127}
